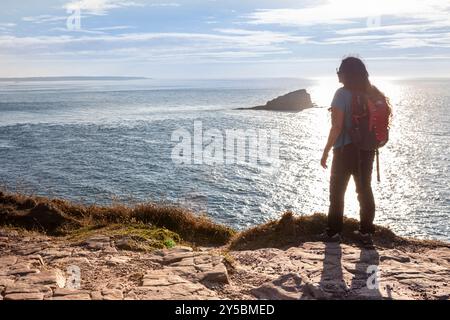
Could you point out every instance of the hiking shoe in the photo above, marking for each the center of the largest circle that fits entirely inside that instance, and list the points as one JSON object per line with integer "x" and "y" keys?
{"x": 325, "y": 237}
{"x": 365, "y": 238}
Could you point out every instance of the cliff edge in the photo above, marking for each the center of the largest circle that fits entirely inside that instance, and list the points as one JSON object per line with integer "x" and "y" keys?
{"x": 154, "y": 252}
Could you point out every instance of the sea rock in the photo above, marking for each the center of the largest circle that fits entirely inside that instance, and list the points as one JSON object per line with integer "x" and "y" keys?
{"x": 292, "y": 102}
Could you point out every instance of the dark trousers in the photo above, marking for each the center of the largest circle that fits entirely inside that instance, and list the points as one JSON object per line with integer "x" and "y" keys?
{"x": 349, "y": 161}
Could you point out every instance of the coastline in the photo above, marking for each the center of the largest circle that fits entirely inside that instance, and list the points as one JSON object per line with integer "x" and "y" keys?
{"x": 156, "y": 252}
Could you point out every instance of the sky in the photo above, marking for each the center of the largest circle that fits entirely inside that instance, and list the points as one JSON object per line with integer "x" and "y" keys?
{"x": 223, "y": 39}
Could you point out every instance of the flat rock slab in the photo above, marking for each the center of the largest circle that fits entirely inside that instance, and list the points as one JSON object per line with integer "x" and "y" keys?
{"x": 194, "y": 265}
{"x": 6, "y": 281}
{"x": 112, "y": 294}
{"x": 53, "y": 278}
{"x": 7, "y": 261}
{"x": 25, "y": 296}
{"x": 68, "y": 292}
{"x": 99, "y": 242}
{"x": 160, "y": 284}
{"x": 81, "y": 296}
{"x": 28, "y": 249}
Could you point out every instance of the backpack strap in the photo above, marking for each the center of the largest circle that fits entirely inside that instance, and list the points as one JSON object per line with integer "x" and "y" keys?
{"x": 377, "y": 154}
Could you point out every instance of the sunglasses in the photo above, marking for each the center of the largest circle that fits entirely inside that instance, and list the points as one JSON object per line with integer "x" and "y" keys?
{"x": 337, "y": 71}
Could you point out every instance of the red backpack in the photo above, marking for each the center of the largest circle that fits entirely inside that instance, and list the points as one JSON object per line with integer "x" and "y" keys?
{"x": 370, "y": 122}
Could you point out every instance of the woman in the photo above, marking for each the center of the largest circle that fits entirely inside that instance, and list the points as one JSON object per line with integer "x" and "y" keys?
{"x": 348, "y": 160}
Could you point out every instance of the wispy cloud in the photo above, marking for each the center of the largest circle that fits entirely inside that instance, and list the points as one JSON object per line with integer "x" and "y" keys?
{"x": 6, "y": 26}
{"x": 223, "y": 44}
{"x": 335, "y": 12}
{"x": 45, "y": 18}
{"x": 397, "y": 40}
{"x": 112, "y": 28}
{"x": 162, "y": 4}
{"x": 223, "y": 36}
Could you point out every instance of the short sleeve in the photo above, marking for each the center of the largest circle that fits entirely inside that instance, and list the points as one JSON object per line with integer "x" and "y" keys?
{"x": 339, "y": 100}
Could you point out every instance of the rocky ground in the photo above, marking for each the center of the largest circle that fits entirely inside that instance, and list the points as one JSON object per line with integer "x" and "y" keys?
{"x": 33, "y": 266}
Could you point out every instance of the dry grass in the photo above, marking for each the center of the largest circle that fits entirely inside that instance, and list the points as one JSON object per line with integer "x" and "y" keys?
{"x": 60, "y": 217}
{"x": 293, "y": 230}
{"x": 151, "y": 225}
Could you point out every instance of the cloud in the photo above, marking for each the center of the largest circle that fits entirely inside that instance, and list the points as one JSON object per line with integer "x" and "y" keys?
{"x": 387, "y": 28}
{"x": 338, "y": 12}
{"x": 45, "y": 18}
{"x": 411, "y": 23}
{"x": 112, "y": 28}
{"x": 396, "y": 40}
{"x": 223, "y": 44}
{"x": 169, "y": 4}
{"x": 223, "y": 36}
{"x": 170, "y": 54}
{"x": 6, "y": 26}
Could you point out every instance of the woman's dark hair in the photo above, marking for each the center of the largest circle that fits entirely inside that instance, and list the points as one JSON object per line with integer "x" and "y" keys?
{"x": 354, "y": 75}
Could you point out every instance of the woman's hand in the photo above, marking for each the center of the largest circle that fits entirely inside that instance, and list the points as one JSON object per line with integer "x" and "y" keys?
{"x": 337, "y": 123}
{"x": 323, "y": 161}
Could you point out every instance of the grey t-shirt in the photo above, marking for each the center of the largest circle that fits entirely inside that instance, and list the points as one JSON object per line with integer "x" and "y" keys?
{"x": 343, "y": 101}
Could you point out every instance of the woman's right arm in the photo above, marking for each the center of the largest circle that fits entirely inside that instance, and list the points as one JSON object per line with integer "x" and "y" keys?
{"x": 337, "y": 123}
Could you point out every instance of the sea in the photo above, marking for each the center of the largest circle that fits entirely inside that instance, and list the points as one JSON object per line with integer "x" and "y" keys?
{"x": 131, "y": 141}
